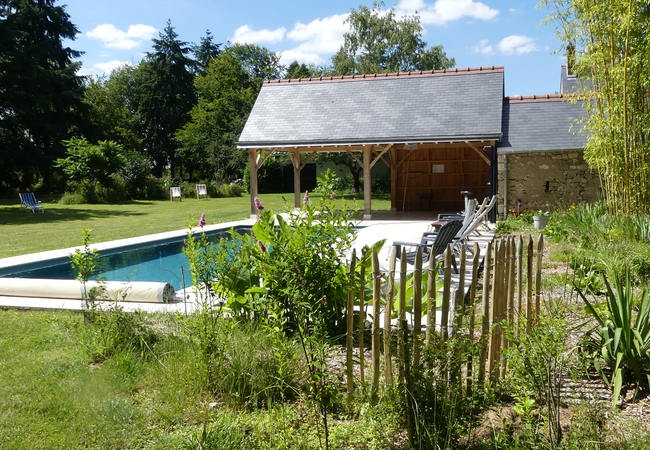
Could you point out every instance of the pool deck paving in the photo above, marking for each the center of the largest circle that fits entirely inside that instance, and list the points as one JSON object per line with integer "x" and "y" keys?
{"x": 389, "y": 226}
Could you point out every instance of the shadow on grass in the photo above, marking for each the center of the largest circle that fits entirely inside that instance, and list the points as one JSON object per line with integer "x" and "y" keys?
{"x": 14, "y": 215}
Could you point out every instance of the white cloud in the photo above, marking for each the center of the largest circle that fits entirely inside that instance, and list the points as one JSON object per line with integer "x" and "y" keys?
{"x": 113, "y": 37}
{"x": 483, "y": 47}
{"x": 443, "y": 11}
{"x": 109, "y": 66}
{"x": 245, "y": 34}
{"x": 320, "y": 36}
{"x": 289, "y": 56}
{"x": 516, "y": 45}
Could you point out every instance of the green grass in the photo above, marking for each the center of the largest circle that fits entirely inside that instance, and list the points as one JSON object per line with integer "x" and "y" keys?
{"x": 61, "y": 225}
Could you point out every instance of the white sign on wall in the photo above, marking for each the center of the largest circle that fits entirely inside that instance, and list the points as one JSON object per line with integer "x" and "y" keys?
{"x": 437, "y": 168}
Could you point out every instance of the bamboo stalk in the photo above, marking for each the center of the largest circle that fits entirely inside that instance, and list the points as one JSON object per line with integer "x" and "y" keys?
{"x": 376, "y": 306}
{"x": 388, "y": 311}
{"x": 350, "y": 332}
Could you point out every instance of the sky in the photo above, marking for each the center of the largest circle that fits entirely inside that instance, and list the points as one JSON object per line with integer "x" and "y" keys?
{"x": 476, "y": 33}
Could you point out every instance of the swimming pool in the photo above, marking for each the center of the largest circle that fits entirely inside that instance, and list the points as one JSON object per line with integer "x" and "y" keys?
{"x": 155, "y": 261}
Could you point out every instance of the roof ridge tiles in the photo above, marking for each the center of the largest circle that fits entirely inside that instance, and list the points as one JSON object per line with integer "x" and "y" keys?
{"x": 414, "y": 74}
{"x": 534, "y": 98}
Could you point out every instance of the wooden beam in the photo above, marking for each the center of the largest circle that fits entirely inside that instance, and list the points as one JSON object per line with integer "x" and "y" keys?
{"x": 355, "y": 157}
{"x": 262, "y": 157}
{"x": 480, "y": 153}
{"x": 380, "y": 154}
{"x": 252, "y": 153}
{"x": 308, "y": 159}
{"x": 295, "y": 160}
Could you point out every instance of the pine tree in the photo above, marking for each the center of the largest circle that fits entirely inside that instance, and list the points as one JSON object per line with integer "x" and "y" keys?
{"x": 167, "y": 96}
{"x": 40, "y": 92}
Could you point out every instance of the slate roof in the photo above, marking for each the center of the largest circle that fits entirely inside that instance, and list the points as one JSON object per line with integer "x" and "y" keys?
{"x": 541, "y": 123}
{"x": 571, "y": 83}
{"x": 438, "y": 106}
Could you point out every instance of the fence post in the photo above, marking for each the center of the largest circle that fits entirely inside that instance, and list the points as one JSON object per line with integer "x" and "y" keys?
{"x": 388, "y": 311}
{"x": 446, "y": 294}
{"x": 485, "y": 319}
{"x": 432, "y": 299}
{"x": 401, "y": 306}
{"x": 520, "y": 279}
{"x": 472, "y": 313}
{"x": 538, "y": 275}
{"x": 362, "y": 320}
{"x": 497, "y": 310}
{"x": 376, "y": 306}
{"x": 417, "y": 310}
{"x": 529, "y": 276}
{"x": 350, "y": 331}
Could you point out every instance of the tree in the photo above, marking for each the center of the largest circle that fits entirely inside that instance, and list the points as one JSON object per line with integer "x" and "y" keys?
{"x": 167, "y": 95}
{"x": 205, "y": 52}
{"x": 609, "y": 46}
{"x": 113, "y": 107}
{"x": 227, "y": 93}
{"x": 296, "y": 70}
{"x": 40, "y": 93}
{"x": 378, "y": 43}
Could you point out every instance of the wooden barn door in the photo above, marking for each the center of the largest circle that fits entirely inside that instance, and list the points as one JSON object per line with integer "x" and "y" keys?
{"x": 430, "y": 178}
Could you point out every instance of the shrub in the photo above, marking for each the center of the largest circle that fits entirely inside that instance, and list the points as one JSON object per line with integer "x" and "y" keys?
{"x": 233, "y": 189}
{"x": 622, "y": 335}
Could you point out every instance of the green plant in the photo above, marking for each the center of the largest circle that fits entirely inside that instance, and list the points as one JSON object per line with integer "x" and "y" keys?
{"x": 622, "y": 335}
{"x": 84, "y": 263}
{"x": 538, "y": 361}
{"x": 327, "y": 182}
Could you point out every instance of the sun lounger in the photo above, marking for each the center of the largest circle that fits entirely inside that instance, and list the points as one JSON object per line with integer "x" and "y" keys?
{"x": 175, "y": 192}
{"x": 201, "y": 191}
{"x": 28, "y": 202}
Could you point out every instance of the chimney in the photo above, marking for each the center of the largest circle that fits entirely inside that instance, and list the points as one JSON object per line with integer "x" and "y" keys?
{"x": 570, "y": 59}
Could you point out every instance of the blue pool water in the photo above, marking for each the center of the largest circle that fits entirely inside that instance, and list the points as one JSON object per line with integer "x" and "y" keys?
{"x": 161, "y": 261}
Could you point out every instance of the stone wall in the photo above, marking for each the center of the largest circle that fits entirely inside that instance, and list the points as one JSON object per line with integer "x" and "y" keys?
{"x": 546, "y": 180}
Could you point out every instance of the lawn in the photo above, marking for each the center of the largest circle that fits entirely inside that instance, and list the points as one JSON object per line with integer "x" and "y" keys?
{"x": 61, "y": 225}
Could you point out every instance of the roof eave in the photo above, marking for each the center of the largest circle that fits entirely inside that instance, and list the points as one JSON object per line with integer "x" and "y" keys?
{"x": 362, "y": 142}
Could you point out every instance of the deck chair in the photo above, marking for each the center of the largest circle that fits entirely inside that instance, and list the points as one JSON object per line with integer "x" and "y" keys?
{"x": 28, "y": 202}
{"x": 201, "y": 191}
{"x": 175, "y": 192}
{"x": 433, "y": 244}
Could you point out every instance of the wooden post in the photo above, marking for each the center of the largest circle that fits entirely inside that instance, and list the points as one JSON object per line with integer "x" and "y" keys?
{"x": 376, "y": 306}
{"x": 520, "y": 277}
{"x": 388, "y": 311}
{"x": 485, "y": 319}
{"x": 362, "y": 320}
{"x": 538, "y": 274}
{"x": 295, "y": 159}
{"x": 432, "y": 299}
{"x": 529, "y": 283}
{"x": 252, "y": 154}
{"x": 367, "y": 180}
{"x": 497, "y": 298}
{"x": 472, "y": 316}
{"x": 446, "y": 294}
{"x": 401, "y": 307}
{"x": 417, "y": 309}
{"x": 350, "y": 332}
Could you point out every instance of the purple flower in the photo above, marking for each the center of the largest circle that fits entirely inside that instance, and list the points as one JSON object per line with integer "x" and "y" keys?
{"x": 262, "y": 246}
{"x": 258, "y": 204}
{"x": 332, "y": 196}
{"x": 202, "y": 220}
{"x": 324, "y": 300}
{"x": 305, "y": 199}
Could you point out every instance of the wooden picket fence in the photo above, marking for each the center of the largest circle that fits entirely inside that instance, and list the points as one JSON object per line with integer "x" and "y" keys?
{"x": 510, "y": 293}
